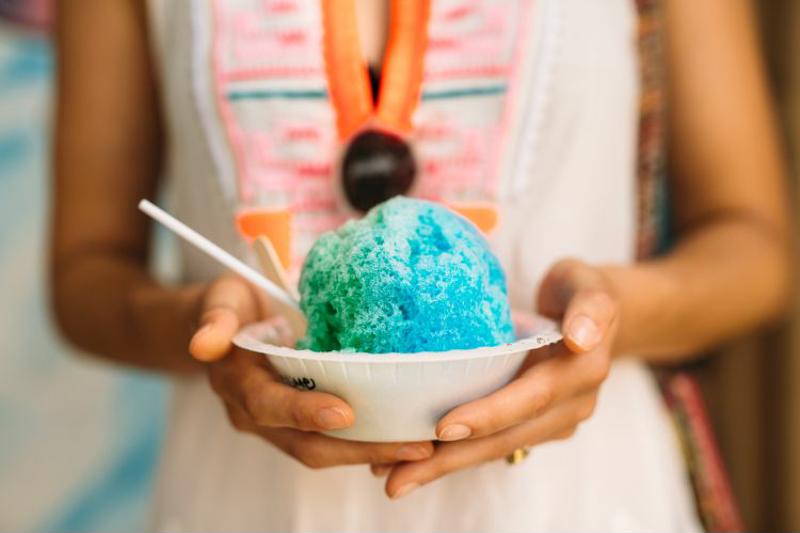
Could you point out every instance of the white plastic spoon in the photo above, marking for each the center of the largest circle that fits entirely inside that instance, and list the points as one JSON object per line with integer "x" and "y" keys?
{"x": 204, "y": 245}
{"x": 273, "y": 269}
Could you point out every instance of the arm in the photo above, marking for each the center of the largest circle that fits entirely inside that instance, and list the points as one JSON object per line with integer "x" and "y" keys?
{"x": 107, "y": 156}
{"x": 730, "y": 269}
{"x": 108, "y": 141}
{"x": 728, "y": 273}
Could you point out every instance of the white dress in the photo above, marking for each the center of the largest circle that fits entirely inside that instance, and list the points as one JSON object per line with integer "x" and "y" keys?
{"x": 568, "y": 190}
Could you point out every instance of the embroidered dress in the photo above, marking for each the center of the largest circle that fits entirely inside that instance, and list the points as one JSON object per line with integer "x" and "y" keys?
{"x": 526, "y": 120}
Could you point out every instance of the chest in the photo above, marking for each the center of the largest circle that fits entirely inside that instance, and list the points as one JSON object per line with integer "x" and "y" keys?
{"x": 265, "y": 96}
{"x": 373, "y": 28}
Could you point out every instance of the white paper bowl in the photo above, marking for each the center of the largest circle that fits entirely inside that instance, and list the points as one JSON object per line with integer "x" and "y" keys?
{"x": 399, "y": 396}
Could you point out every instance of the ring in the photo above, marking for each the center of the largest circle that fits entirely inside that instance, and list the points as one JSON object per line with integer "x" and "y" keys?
{"x": 517, "y": 456}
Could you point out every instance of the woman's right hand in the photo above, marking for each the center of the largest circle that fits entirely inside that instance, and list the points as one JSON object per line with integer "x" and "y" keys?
{"x": 258, "y": 402}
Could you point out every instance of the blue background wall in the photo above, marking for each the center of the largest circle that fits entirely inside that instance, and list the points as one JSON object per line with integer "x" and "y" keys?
{"x": 79, "y": 439}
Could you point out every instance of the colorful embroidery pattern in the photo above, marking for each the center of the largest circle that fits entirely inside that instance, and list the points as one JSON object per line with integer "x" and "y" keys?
{"x": 472, "y": 59}
{"x": 274, "y": 103}
{"x": 272, "y": 98}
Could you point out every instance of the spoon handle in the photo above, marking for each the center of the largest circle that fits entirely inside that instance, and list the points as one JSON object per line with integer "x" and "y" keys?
{"x": 204, "y": 245}
{"x": 274, "y": 271}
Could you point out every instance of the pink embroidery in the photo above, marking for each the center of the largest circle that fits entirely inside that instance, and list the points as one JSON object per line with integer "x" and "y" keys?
{"x": 459, "y": 12}
{"x": 252, "y": 36}
{"x": 313, "y": 170}
{"x": 513, "y": 84}
{"x": 280, "y": 6}
{"x": 475, "y": 32}
{"x": 433, "y": 131}
{"x": 471, "y": 42}
{"x": 270, "y": 71}
{"x": 226, "y": 113}
{"x": 261, "y": 41}
{"x": 299, "y": 133}
{"x": 285, "y": 148}
{"x": 488, "y": 71}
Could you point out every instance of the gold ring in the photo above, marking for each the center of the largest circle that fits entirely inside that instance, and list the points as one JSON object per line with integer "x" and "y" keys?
{"x": 517, "y": 456}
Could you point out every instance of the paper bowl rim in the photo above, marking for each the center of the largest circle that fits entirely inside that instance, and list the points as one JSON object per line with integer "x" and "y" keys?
{"x": 249, "y": 339}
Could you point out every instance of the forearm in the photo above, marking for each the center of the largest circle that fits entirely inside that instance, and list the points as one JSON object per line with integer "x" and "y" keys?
{"x": 108, "y": 305}
{"x": 724, "y": 278}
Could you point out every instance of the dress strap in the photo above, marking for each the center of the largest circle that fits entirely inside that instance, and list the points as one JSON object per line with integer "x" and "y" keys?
{"x": 651, "y": 162}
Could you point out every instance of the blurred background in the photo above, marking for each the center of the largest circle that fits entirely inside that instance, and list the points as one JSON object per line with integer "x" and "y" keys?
{"x": 79, "y": 439}
{"x": 753, "y": 386}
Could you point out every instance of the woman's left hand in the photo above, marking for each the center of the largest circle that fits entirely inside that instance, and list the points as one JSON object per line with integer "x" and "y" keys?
{"x": 554, "y": 391}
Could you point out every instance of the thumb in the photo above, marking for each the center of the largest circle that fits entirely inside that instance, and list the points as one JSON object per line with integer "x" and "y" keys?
{"x": 579, "y": 295}
{"x": 228, "y": 304}
{"x": 561, "y": 283}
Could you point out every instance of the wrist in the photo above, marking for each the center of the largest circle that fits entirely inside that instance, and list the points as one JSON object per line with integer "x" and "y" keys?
{"x": 166, "y": 318}
{"x": 189, "y": 305}
{"x": 646, "y": 296}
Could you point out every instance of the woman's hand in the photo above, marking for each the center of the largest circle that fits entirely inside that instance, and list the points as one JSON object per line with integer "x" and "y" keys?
{"x": 555, "y": 390}
{"x": 258, "y": 402}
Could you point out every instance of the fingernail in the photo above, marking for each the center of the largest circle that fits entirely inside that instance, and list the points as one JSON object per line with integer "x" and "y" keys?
{"x": 202, "y": 331}
{"x": 405, "y": 490}
{"x": 197, "y": 337}
{"x": 412, "y": 452}
{"x": 455, "y": 432}
{"x": 331, "y": 418}
{"x": 584, "y": 332}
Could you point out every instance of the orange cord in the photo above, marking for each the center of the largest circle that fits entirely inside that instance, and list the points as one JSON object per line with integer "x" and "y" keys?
{"x": 404, "y": 66}
{"x": 348, "y": 81}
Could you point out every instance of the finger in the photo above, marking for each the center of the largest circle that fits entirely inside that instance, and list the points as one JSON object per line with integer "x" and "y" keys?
{"x": 560, "y": 284}
{"x": 381, "y": 470}
{"x": 321, "y": 451}
{"x": 525, "y": 397}
{"x": 540, "y": 388}
{"x": 589, "y": 316}
{"x": 241, "y": 379}
{"x": 578, "y": 294}
{"x": 452, "y": 456}
{"x": 239, "y": 419}
{"x": 228, "y": 304}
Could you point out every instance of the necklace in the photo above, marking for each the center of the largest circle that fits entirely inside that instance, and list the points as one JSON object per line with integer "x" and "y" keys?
{"x": 378, "y": 162}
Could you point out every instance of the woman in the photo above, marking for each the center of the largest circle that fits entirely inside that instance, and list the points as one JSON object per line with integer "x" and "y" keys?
{"x": 522, "y": 115}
